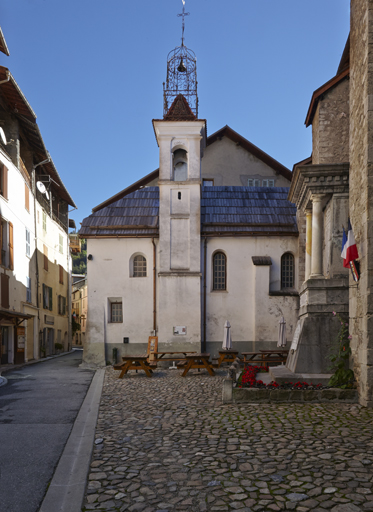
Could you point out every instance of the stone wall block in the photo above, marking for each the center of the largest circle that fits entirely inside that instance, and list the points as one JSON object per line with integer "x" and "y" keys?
{"x": 279, "y": 395}
{"x": 329, "y": 394}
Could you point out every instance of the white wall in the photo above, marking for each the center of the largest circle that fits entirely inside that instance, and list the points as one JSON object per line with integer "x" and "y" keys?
{"x": 252, "y": 312}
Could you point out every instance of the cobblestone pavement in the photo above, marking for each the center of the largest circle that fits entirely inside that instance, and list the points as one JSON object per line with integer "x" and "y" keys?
{"x": 168, "y": 444}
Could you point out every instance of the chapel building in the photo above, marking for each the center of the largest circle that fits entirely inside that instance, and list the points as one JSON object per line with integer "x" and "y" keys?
{"x": 210, "y": 236}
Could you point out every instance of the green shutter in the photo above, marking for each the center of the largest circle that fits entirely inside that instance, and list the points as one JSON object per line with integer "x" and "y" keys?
{"x": 50, "y": 299}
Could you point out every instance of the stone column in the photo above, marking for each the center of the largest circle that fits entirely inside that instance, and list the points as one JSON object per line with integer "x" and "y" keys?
{"x": 317, "y": 228}
{"x": 308, "y": 243}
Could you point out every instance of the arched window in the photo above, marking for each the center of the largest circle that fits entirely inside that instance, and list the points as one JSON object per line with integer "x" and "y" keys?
{"x": 287, "y": 270}
{"x": 219, "y": 271}
{"x": 139, "y": 266}
{"x": 180, "y": 165}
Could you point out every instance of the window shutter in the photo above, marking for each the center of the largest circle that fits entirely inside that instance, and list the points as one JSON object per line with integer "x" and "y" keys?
{"x": 61, "y": 274}
{"x": 45, "y": 257}
{"x": 11, "y": 251}
{"x": 5, "y": 291}
{"x": 50, "y": 299}
{"x": 27, "y": 198}
{"x": 5, "y": 183}
{"x": 64, "y": 305}
{"x": 1, "y": 241}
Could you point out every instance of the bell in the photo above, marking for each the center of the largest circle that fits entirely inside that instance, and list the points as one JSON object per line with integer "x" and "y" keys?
{"x": 181, "y": 68}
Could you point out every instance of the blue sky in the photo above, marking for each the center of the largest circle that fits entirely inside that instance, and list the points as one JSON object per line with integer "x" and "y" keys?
{"x": 93, "y": 72}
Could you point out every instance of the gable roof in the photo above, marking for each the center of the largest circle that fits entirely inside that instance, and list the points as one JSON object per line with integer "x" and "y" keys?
{"x": 316, "y": 96}
{"x": 180, "y": 110}
{"x": 3, "y": 45}
{"x": 224, "y": 211}
{"x": 227, "y": 131}
{"x": 20, "y": 107}
{"x": 345, "y": 59}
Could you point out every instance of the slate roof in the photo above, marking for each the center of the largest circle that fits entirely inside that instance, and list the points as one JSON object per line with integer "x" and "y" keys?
{"x": 135, "y": 214}
{"x": 224, "y": 210}
{"x": 259, "y": 210}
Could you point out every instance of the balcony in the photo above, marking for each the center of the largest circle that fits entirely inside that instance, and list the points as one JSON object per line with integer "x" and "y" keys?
{"x": 75, "y": 243}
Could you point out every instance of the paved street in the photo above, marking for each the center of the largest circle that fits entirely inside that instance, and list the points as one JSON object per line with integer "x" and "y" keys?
{"x": 38, "y": 407}
{"x": 169, "y": 444}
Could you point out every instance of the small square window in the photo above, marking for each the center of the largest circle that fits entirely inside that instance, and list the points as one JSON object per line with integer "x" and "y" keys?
{"x": 208, "y": 183}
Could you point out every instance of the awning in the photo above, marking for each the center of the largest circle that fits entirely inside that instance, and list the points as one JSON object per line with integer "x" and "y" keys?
{"x": 14, "y": 315}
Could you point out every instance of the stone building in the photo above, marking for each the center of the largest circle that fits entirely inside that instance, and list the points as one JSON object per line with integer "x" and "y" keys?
{"x": 208, "y": 237}
{"x": 332, "y": 185}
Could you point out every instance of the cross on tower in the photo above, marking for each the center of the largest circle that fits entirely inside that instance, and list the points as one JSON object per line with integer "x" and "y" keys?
{"x": 183, "y": 14}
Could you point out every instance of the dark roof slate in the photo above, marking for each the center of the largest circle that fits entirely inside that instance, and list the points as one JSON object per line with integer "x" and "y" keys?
{"x": 227, "y": 210}
{"x": 247, "y": 209}
{"x": 180, "y": 110}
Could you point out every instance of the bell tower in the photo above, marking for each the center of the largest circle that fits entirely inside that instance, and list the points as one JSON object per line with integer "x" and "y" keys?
{"x": 181, "y": 139}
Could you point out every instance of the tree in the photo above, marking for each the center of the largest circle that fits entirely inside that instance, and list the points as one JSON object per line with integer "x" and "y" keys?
{"x": 80, "y": 260}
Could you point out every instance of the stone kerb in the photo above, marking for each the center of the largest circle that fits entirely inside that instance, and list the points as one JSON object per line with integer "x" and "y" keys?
{"x": 254, "y": 395}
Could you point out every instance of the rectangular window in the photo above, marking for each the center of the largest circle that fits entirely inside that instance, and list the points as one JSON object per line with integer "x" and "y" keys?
{"x": 61, "y": 244}
{"x": 5, "y": 291}
{"x": 47, "y": 297}
{"x": 208, "y": 183}
{"x": 28, "y": 289}
{"x": 61, "y": 273}
{"x": 116, "y": 312}
{"x": 27, "y": 198}
{"x": 3, "y": 181}
{"x": 45, "y": 251}
{"x": 61, "y": 305}
{"x": 44, "y": 221}
{"x": 253, "y": 183}
{"x": 268, "y": 183}
{"x": 11, "y": 249}
{"x": 28, "y": 243}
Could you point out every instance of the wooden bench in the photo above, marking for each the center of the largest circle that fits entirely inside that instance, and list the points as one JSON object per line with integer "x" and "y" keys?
{"x": 133, "y": 363}
{"x": 198, "y": 361}
{"x": 264, "y": 357}
{"x": 226, "y": 356}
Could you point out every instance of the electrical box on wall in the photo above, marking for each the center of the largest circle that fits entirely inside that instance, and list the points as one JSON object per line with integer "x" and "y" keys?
{"x": 180, "y": 329}
{"x": 126, "y": 340}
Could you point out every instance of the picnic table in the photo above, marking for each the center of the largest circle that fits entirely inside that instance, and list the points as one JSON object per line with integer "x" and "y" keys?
{"x": 198, "y": 361}
{"x": 263, "y": 357}
{"x": 133, "y": 363}
{"x": 174, "y": 356}
{"x": 225, "y": 356}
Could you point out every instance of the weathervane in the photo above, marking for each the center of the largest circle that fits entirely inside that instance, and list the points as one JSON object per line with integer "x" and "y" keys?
{"x": 183, "y": 14}
{"x": 181, "y": 74}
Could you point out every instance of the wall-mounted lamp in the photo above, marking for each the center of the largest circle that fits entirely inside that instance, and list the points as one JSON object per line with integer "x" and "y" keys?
{"x": 90, "y": 257}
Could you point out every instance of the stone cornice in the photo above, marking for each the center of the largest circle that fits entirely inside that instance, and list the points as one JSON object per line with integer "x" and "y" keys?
{"x": 325, "y": 179}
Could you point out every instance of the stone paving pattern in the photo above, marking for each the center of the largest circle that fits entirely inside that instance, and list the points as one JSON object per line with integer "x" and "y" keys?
{"x": 168, "y": 444}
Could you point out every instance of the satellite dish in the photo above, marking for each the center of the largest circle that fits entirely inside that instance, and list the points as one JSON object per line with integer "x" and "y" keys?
{"x": 41, "y": 187}
{"x": 2, "y": 135}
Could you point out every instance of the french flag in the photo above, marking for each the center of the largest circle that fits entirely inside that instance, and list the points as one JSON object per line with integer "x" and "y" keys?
{"x": 349, "y": 250}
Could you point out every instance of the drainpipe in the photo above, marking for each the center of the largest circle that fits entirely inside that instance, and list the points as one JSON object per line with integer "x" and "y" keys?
{"x": 203, "y": 348}
{"x": 154, "y": 289}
